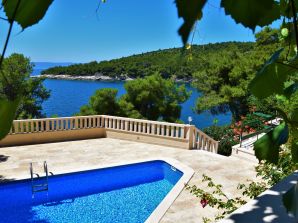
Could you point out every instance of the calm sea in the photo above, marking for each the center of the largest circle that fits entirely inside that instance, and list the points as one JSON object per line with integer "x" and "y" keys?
{"x": 67, "y": 96}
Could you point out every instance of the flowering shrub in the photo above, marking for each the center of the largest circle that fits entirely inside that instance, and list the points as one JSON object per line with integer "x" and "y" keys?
{"x": 225, "y": 136}
{"x": 217, "y": 199}
{"x": 248, "y": 124}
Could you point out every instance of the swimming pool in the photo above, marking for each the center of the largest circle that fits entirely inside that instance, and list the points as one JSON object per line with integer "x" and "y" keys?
{"x": 127, "y": 193}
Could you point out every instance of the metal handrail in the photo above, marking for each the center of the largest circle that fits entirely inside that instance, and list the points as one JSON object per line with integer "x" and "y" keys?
{"x": 44, "y": 185}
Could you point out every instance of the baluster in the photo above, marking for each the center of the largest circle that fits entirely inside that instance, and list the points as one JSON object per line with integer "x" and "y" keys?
{"x": 31, "y": 126}
{"x": 135, "y": 126}
{"x": 157, "y": 129}
{"x": 22, "y": 127}
{"x": 173, "y": 131}
{"x": 106, "y": 122}
{"x": 85, "y": 123}
{"x": 89, "y": 122}
{"x": 201, "y": 142}
{"x": 152, "y": 126}
{"x": 15, "y": 127}
{"x": 182, "y": 133}
{"x": 167, "y": 130}
{"x": 209, "y": 145}
{"x": 148, "y": 128}
{"x": 140, "y": 127}
{"x": 62, "y": 127}
{"x": 53, "y": 125}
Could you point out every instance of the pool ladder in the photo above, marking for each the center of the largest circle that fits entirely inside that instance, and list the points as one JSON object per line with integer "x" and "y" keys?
{"x": 40, "y": 185}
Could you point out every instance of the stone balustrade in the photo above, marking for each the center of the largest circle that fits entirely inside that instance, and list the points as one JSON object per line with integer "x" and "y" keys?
{"x": 32, "y": 131}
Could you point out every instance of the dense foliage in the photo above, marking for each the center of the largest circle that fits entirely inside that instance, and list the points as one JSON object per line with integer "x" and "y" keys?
{"x": 17, "y": 69}
{"x": 225, "y": 136}
{"x": 172, "y": 63}
{"x": 224, "y": 76}
{"x": 152, "y": 98}
{"x": 221, "y": 71}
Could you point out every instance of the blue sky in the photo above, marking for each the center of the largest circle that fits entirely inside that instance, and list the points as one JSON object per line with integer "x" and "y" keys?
{"x": 71, "y": 31}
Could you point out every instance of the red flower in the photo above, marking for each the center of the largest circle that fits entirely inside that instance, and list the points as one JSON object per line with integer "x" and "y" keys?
{"x": 204, "y": 202}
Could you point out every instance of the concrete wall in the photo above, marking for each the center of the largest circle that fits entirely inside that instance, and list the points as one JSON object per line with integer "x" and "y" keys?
{"x": 54, "y": 136}
{"x": 146, "y": 138}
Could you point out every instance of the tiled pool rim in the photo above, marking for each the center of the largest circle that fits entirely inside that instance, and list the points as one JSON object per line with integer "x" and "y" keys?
{"x": 165, "y": 204}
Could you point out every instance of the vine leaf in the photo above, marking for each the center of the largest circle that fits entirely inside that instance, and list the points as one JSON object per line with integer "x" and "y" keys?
{"x": 270, "y": 79}
{"x": 291, "y": 90}
{"x": 29, "y": 12}
{"x": 290, "y": 200}
{"x": 294, "y": 149}
{"x": 190, "y": 11}
{"x": 252, "y": 13}
{"x": 267, "y": 147}
{"x": 7, "y": 114}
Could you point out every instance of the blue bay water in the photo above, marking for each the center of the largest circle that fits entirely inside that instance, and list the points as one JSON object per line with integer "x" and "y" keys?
{"x": 67, "y": 96}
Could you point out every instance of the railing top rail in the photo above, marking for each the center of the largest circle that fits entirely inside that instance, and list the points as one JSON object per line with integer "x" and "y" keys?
{"x": 145, "y": 121}
{"x": 58, "y": 118}
{"x": 203, "y": 133}
{"x": 105, "y": 116}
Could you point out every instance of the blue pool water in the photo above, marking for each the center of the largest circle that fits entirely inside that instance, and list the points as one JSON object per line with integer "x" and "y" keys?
{"x": 127, "y": 193}
{"x": 67, "y": 96}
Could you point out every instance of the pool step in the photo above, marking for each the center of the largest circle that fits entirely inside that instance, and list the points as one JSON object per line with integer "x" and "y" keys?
{"x": 40, "y": 188}
{"x": 36, "y": 185}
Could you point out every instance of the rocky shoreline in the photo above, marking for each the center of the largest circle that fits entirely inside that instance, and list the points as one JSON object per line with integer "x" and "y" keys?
{"x": 91, "y": 78}
{"x": 96, "y": 78}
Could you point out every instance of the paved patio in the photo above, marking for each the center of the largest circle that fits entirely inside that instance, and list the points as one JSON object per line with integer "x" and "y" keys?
{"x": 88, "y": 154}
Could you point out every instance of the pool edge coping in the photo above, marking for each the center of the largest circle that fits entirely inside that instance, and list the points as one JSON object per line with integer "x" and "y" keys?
{"x": 170, "y": 198}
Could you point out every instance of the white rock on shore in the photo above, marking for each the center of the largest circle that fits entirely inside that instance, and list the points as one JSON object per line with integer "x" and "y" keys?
{"x": 98, "y": 78}
{"x": 92, "y": 78}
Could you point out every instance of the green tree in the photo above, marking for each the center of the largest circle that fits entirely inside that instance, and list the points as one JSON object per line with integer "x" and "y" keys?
{"x": 152, "y": 98}
{"x": 103, "y": 102}
{"x": 17, "y": 69}
{"x": 156, "y": 98}
{"x": 224, "y": 78}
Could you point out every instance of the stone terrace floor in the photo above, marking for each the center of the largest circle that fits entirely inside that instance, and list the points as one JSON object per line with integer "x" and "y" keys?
{"x": 89, "y": 154}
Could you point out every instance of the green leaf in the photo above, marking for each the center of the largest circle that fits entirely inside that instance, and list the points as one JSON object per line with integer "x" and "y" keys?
{"x": 293, "y": 116}
{"x": 294, "y": 150}
{"x": 270, "y": 79}
{"x": 267, "y": 147}
{"x": 252, "y": 13}
{"x": 190, "y": 11}
{"x": 7, "y": 114}
{"x": 29, "y": 12}
{"x": 291, "y": 90}
{"x": 290, "y": 200}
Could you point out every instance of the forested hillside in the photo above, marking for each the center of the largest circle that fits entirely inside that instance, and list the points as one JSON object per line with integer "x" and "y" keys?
{"x": 169, "y": 62}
